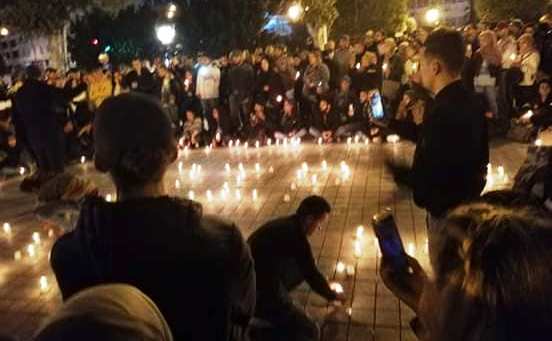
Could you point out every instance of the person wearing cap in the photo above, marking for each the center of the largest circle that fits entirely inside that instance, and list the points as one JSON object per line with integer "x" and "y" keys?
{"x": 197, "y": 269}
{"x": 115, "y": 312}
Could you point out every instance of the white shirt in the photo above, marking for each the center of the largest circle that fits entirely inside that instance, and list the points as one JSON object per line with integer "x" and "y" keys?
{"x": 208, "y": 82}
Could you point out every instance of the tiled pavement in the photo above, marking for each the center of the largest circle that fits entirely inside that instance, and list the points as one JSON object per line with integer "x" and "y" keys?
{"x": 371, "y": 311}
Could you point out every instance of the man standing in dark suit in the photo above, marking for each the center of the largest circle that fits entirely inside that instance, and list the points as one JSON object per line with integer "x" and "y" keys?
{"x": 453, "y": 148}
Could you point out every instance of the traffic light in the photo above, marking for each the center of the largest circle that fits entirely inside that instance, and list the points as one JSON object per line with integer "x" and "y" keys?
{"x": 95, "y": 42}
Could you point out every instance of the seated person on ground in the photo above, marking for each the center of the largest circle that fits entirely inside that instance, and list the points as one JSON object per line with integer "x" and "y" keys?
{"x": 192, "y": 129}
{"x": 493, "y": 281}
{"x": 114, "y": 312}
{"x": 222, "y": 129}
{"x": 283, "y": 260}
{"x": 291, "y": 125}
{"x": 257, "y": 127}
{"x": 540, "y": 115}
{"x": 324, "y": 122}
{"x": 197, "y": 269}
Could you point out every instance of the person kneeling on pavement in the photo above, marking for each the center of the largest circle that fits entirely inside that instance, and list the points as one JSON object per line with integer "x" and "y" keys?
{"x": 283, "y": 260}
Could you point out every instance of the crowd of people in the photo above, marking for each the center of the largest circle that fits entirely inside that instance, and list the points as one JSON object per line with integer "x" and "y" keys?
{"x": 448, "y": 91}
{"x": 273, "y": 93}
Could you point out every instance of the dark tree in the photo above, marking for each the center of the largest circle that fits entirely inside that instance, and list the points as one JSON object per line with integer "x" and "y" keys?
{"x": 358, "y": 16}
{"x": 495, "y": 10}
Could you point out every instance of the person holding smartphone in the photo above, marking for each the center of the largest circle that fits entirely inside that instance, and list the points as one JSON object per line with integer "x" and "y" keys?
{"x": 283, "y": 260}
{"x": 494, "y": 280}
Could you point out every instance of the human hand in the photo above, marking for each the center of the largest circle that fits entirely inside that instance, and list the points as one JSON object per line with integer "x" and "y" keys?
{"x": 406, "y": 285}
{"x": 12, "y": 142}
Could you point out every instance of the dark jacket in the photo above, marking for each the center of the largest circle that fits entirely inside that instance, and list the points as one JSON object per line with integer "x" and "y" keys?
{"x": 144, "y": 83}
{"x": 36, "y": 111}
{"x": 291, "y": 123}
{"x": 368, "y": 79}
{"x": 325, "y": 122}
{"x": 274, "y": 82}
{"x": 197, "y": 270}
{"x": 274, "y": 246}
{"x": 452, "y": 151}
{"x": 241, "y": 80}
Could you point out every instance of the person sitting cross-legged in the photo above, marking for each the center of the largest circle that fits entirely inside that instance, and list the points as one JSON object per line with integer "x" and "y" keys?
{"x": 325, "y": 122}
{"x": 197, "y": 269}
{"x": 291, "y": 125}
{"x": 283, "y": 260}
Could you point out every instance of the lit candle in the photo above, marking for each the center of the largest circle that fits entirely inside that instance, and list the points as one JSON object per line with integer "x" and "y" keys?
{"x": 337, "y": 287}
{"x": 314, "y": 179}
{"x": 227, "y": 168}
{"x": 17, "y": 255}
{"x": 513, "y": 56}
{"x": 51, "y": 233}
{"x": 411, "y": 249}
{"x": 231, "y": 143}
{"x": 257, "y": 144}
{"x": 287, "y": 198}
{"x": 293, "y": 186}
{"x": 538, "y": 143}
{"x": 180, "y": 167}
{"x": 349, "y": 141}
{"x": 501, "y": 171}
{"x": 340, "y": 267}
{"x": 350, "y": 311}
{"x": 225, "y": 186}
{"x": 305, "y": 167}
{"x": 83, "y": 159}
{"x": 31, "y": 250}
{"x": 360, "y": 232}
{"x": 240, "y": 167}
{"x": 324, "y": 165}
{"x": 257, "y": 168}
{"x": 277, "y": 142}
{"x": 384, "y": 66}
{"x": 269, "y": 142}
{"x": 279, "y": 98}
{"x": 238, "y": 195}
{"x": 43, "y": 283}
{"x": 109, "y": 198}
{"x": 177, "y": 184}
{"x": 319, "y": 141}
{"x": 254, "y": 195}
{"x": 350, "y": 270}
{"x": 366, "y": 141}
{"x": 36, "y": 238}
{"x": 209, "y": 195}
{"x": 191, "y": 195}
{"x": 271, "y": 170}
{"x": 285, "y": 142}
{"x": 246, "y": 145}
{"x": 393, "y": 139}
{"x": 297, "y": 75}
{"x": 7, "y": 228}
{"x": 358, "y": 248}
{"x": 299, "y": 174}
{"x": 358, "y": 66}
{"x": 238, "y": 142}
{"x": 357, "y": 139}
{"x": 21, "y": 170}
{"x": 223, "y": 194}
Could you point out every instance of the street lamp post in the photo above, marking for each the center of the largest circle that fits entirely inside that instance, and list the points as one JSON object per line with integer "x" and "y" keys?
{"x": 433, "y": 16}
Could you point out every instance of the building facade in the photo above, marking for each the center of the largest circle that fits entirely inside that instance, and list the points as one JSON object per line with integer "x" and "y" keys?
{"x": 19, "y": 51}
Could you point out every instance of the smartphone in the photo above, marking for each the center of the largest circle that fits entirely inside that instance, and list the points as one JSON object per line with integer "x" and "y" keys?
{"x": 376, "y": 103}
{"x": 389, "y": 239}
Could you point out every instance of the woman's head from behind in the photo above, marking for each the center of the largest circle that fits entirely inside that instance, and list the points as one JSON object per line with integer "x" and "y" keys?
{"x": 115, "y": 312}
{"x": 493, "y": 282}
{"x": 134, "y": 141}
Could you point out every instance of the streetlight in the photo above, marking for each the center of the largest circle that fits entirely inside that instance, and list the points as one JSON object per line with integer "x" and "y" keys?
{"x": 166, "y": 33}
{"x": 432, "y": 16}
{"x": 295, "y": 12}
{"x": 4, "y": 31}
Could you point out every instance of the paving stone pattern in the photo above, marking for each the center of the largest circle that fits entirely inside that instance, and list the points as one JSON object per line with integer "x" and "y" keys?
{"x": 371, "y": 312}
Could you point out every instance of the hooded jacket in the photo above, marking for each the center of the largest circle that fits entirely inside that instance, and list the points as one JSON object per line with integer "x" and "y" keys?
{"x": 198, "y": 270}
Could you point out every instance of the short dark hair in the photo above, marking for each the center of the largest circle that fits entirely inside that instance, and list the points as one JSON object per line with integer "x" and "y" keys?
{"x": 447, "y": 46}
{"x": 313, "y": 206}
{"x": 33, "y": 72}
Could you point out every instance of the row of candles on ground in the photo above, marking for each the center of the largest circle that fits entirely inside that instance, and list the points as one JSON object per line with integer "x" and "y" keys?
{"x": 31, "y": 251}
